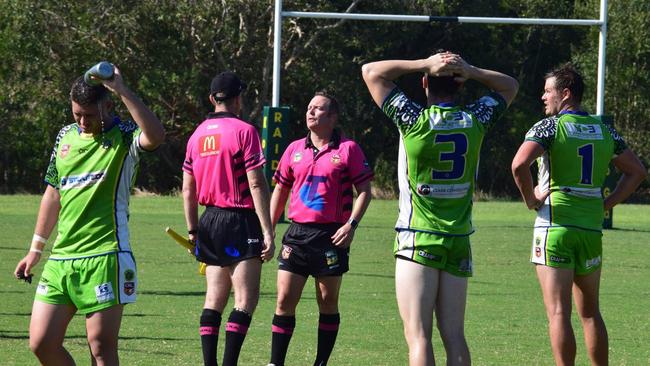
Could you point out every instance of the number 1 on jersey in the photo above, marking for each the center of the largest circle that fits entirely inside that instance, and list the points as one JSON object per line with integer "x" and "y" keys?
{"x": 586, "y": 152}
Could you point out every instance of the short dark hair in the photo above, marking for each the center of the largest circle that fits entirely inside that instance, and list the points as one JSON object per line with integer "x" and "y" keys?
{"x": 333, "y": 104}
{"x": 84, "y": 94}
{"x": 444, "y": 86}
{"x": 567, "y": 76}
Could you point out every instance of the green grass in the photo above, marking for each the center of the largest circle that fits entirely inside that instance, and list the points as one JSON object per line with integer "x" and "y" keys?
{"x": 506, "y": 322}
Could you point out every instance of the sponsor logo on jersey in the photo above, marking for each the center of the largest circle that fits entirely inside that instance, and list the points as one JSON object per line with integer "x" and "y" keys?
{"x": 209, "y": 145}
{"x": 104, "y": 292}
{"x": 297, "y": 157}
{"x": 593, "y": 262}
{"x": 556, "y": 259}
{"x": 232, "y": 251}
{"x": 129, "y": 288}
{"x": 129, "y": 275}
{"x": 332, "y": 258}
{"x": 212, "y": 127}
{"x": 465, "y": 265}
{"x": 538, "y": 252}
{"x": 82, "y": 180}
{"x": 429, "y": 256}
{"x": 443, "y": 190}
{"x": 584, "y": 131}
{"x": 65, "y": 149}
{"x": 286, "y": 252}
{"x": 335, "y": 159}
{"x": 538, "y": 240}
{"x": 253, "y": 241}
{"x": 447, "y": 120}
{"x": 42, "y": 288}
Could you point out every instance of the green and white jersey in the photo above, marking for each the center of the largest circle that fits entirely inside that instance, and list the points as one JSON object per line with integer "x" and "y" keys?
{"x": 94, "y": 176}
{"x": 438, "y": 159}
{"x": 578, "y": 149}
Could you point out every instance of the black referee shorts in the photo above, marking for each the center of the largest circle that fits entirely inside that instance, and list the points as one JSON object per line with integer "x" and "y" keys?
{"x": 228, "y": 235}
{"x": 307, "y": 249}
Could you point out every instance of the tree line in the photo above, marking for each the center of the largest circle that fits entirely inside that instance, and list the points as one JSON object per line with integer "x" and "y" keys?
{"x": 169, "y": 51}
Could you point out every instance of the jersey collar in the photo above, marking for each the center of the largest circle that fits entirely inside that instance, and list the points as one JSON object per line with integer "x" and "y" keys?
{"x": 335, "y": 140}
{"x": 213, "y": 115}
{"x": 568, "y": 111}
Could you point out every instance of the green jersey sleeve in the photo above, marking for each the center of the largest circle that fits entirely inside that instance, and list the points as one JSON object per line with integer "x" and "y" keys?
{"x": 487, "y": 109}
{"x": 543, "y": 132}
{"x": 401, "y": 110}
{"x": 619, "y": 143}
{"x": 52, "y": 173}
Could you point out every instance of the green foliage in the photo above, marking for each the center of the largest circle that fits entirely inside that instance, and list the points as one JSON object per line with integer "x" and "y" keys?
{"x": 505, "y": 318}
{"x": 169, "y": 51}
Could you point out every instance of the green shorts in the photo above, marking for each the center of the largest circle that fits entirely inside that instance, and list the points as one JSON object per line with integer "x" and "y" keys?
{"x": 563, "y": 247}
{"x": 451, "y": 254}
{"x": 89, "y": 284}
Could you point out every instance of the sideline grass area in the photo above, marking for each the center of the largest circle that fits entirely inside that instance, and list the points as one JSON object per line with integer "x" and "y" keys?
{"x": 506, "y": 324}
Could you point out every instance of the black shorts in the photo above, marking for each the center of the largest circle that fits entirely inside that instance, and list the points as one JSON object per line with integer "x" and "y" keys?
{"x": 228, "y": 235}
{"x": 307, "y": 249}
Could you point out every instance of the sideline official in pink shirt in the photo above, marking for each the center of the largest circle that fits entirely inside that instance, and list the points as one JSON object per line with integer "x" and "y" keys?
{"x": 223, "y": 171}
{"x": 319, "y": 172}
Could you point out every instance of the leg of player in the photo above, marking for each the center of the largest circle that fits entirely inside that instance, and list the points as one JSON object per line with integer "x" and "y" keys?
{"x": 327, "y": 296}
{"x": 216, "y": 297}
{"x": 47, "y": 330}
{"x": 416, "y": 287}
{"x": 556, "y": 286}
{"x": 245, "y": 277}
{"x": 102, "y": 329}
{"x": 450, "y": 316}
{"x": 289, "y": 286}
{"x": 585, "y": 294}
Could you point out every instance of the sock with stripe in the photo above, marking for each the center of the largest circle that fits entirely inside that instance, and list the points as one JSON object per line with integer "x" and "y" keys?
{"x": 328, "y": 329}
{"x": 282, "y": 331}
{"x": 236, "y": 329}
{"x": 209, "y": 331}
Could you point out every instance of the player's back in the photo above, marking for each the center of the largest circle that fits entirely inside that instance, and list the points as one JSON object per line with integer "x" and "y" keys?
{"x": 219, "y": 153}
{"x": 578, "y": 162}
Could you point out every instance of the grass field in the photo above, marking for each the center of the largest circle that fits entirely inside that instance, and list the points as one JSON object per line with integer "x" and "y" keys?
{"x": 506, "y": 324}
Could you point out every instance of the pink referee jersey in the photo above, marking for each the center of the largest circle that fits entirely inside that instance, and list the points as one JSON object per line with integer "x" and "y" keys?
{"x": 219, "y": 153}
{"x": 322, "y": 181}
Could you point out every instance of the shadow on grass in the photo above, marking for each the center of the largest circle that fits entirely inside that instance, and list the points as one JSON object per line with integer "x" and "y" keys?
{"x": 185, "y": 293}
{"x": 357, "y": 274}
{"x": 25, "y": 335}
{"x": 629, "y": 230}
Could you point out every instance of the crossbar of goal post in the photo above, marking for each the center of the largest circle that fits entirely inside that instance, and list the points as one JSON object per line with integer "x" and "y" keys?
{"x": 602, "y": 23}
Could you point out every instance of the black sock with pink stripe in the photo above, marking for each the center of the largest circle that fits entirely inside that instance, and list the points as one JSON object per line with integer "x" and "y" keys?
{"x": 328, "y": 329}
{"x": 282, "y": 331}
{"x": 236, "y": 329}
{"x": 209, "y": 330}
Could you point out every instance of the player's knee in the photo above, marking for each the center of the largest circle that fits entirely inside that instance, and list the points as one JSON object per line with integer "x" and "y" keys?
{"x": 40, "y": 347}
{"x": 101, "y": 349}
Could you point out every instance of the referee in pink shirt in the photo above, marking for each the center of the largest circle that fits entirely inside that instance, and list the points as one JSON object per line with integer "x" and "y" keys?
{"x": 319, "y": 172}
{"x": 223, "y": 171}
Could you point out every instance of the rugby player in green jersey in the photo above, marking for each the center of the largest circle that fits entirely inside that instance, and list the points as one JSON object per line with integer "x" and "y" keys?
{"x": 438, "y": 158}
{"x": 573, "y": 151}
{"x": 90, "y": 269}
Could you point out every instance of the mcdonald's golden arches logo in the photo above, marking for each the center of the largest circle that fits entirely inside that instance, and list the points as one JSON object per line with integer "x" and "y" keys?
{"x": 209, "y": 145}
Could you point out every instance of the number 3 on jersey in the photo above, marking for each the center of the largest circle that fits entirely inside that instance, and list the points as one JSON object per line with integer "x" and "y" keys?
{"x": 456, "y": 156}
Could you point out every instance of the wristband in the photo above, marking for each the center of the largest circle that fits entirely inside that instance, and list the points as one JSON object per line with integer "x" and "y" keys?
{"x": 39, "y": 239}
{"x": 353, "y": 223}
{"x": 192, "y": 232}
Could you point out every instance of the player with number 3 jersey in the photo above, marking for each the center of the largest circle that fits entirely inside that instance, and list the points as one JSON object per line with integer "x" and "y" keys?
{"x": 438, "y": 158}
